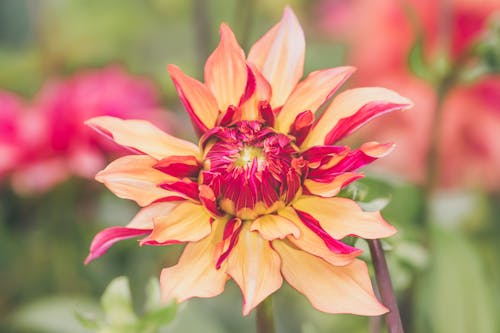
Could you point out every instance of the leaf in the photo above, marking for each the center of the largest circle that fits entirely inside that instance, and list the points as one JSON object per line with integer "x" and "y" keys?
{"x": 117, "y": 303}
{"x": 156, "y": 314}
{"x": 416, "y": 61}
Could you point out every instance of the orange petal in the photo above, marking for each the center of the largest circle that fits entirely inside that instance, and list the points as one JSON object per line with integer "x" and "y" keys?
{"x": 332, "y": 289}
{"x": 188, "y": 222}
{"x": 341, "y": 217}
{"x": 279, "y": 55}
{"x": 311, "y": 93}
{"x": 346, "y": 105}
{"x": 255, "y": 267}
{"x": 133, "y": 177}
{"x": 332, "y": 188}
{"x": 144, "y": 218}
{"x": 197, "y": 99}
{"x": 226, "y": 70}
{"x": 143, "y": 137}
{"x": 195, "y": 274}
{"x": 261, "y": 92}
{"x": 272, "y": 227}
{"x": 313, "y": 244}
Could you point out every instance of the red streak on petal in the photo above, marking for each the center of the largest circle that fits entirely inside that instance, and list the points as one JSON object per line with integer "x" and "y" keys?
{"x": 230, "y": 238}
{"x": 186, "y": 187}
{"x": 267, "y": 113}
{"x": 179, "y": 166}
{"x": 208, "y": 199}
{"x": 250, "y": 87}
{"x": 301, "y": 126}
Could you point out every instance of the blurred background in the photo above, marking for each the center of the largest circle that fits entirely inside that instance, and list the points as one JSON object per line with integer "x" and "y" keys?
{"x": 62, "y": 62}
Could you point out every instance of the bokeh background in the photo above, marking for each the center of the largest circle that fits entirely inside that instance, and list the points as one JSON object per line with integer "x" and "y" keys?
{"x": 62, "y": 62}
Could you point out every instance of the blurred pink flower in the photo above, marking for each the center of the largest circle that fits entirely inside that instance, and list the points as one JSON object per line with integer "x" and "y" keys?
{"x": 10, "y": 109}
{"x": 379, "y": 36}
{"x": 51, "y": 139}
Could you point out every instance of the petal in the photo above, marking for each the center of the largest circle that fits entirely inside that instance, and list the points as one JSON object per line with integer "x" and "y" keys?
{"x": 196, "y": 98}
{"x": 258, "y": 90}
{"x": 133, "y": 177}
{"x": 195, "y": 274}
{"x": 279, "y": 55}
{"x": 188, "y": 222}
{"x": 226, "y": 70}
{"x": 332, "y": 289}
{"x": 143, "y": 136}
{"x": 107, "y": 237}
{"x": 350, "y": 110}
{"x": 144, "y": 218}
{"x": 311, "y": 93}
{"x": 255, "y": 267}
{"x": 272, "y": 227}
{"x": 313, "y": 244}
{"x": 331, "y": 188}
{"x": 179, "y": 166}
{"x": 341, "y": 217}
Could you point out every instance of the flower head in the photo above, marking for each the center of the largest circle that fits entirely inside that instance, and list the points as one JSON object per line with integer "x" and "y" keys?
{"x": 255, "y": 200}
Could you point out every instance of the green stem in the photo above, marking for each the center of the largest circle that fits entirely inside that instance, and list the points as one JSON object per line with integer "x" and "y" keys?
{"x": 393, "y": 318}
{"x": 265, "y": 316}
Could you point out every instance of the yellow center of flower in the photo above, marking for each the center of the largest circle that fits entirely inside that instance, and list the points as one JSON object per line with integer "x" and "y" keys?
{"x": 248, "y": 154}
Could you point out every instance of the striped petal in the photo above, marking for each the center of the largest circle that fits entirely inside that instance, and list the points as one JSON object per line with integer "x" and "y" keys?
{"x": 258, "y": 90}
{"x": 188, "y": 222}
{"x": 332, "y": 289}
{"x": 255, "y": 267}
{"x": 199, "y": 102}
{"x": 341, "y": 217}
{"x": 195, "y": 274}
{"x": 279, "y": 55}
{"x": 143, "y": 137}
{"x": 226, "y": 70}
{"x": 133, "y": 177}
{"x": 350, "y": 110}
{"x": 272, "y": 227}
{"x": 311, "y": 93}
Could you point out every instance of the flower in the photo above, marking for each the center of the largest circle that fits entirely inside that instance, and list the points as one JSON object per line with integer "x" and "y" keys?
{"x": 468, "y": 145}
{"x": 255, "y": 200}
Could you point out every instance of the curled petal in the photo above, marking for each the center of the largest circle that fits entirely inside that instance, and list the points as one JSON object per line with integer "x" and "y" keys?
{"x": 311, "y": 93}
{"x": 143, "y": 137}
{"x": 179, "y": 166}
{"x": 341, "y": 217}
{"x": 226, "y": 70}
{"x": 279, "y": 55}
{"x": 255, "y": 267}
{"x": 133, "y": 177}
{"x": 258, "y": 90}
{"x": 196, "y": 98}
{"x": 195, "y": 274}
{"x": 350, "y": 110}
{"x": 107, "y": 237}
{"x": 332, "y": 289}
{"x": 272, "y": 227}
{"x": 188, "y": 222}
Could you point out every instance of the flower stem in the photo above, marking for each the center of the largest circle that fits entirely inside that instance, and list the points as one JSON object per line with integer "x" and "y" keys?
{"x": 265, "y": 317}
{"x": 392, "y": 319}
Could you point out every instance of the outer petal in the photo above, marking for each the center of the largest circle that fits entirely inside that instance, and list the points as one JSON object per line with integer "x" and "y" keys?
{"x": 143, "y": 136}
{"x": 313, "y": 244}
{"x": 258, "y": 90}
{"x": 272, "y": 227}
{"x": 107, "y": 237}
{"x": 311, "y": 93}
{"x": 133, "y": 177}
{"x": 255, "y": 267}
{"x": 279, "y": 55}
{"x": 226, "y": 70}
{"x": 350, "y": 110}
{"x": 144, "y": 218}
{"x": 331, "y": 188}
{"x": 195, "y": 274}
{"x": 341, "y": 217}
{"x": 332, "y": 289}
{"x": 188, "y": 222}
{"x": 197, "y": 99}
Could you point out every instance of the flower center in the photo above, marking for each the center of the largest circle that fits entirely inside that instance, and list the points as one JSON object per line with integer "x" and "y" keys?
{"x": 252, "y": 169}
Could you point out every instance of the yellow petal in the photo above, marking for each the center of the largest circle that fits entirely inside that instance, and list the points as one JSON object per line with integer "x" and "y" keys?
{"x": 332, "y": 289}
{"x": 195, "y": 274}
{"x": 255, "y": 267}
{"x": 133, "y": 177}
{"x": 341, "y": 217}
{"x": 250, "y": 107}
{"x": 143, "y": 136}
{"x": 345, "y": 105}
{"x": 332, "y": 188}
{"x": 313, "y": 244}
{"x": 226, "y": 70}
{"x": 311, "y": 93}
{"x": 279, "y": 55}
{"x": 188, "y": 222}
{"x": 272, "y": 227}
{"x": 144, "y": 218}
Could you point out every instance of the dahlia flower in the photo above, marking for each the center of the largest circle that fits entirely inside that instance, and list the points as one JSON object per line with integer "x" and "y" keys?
{"x": 256, "y": 199}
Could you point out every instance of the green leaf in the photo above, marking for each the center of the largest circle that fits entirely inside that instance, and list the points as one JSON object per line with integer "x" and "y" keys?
{"x": 156, "y": 314}
{"x": 417, "y": 62}
{"x": 117, "y": 303}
